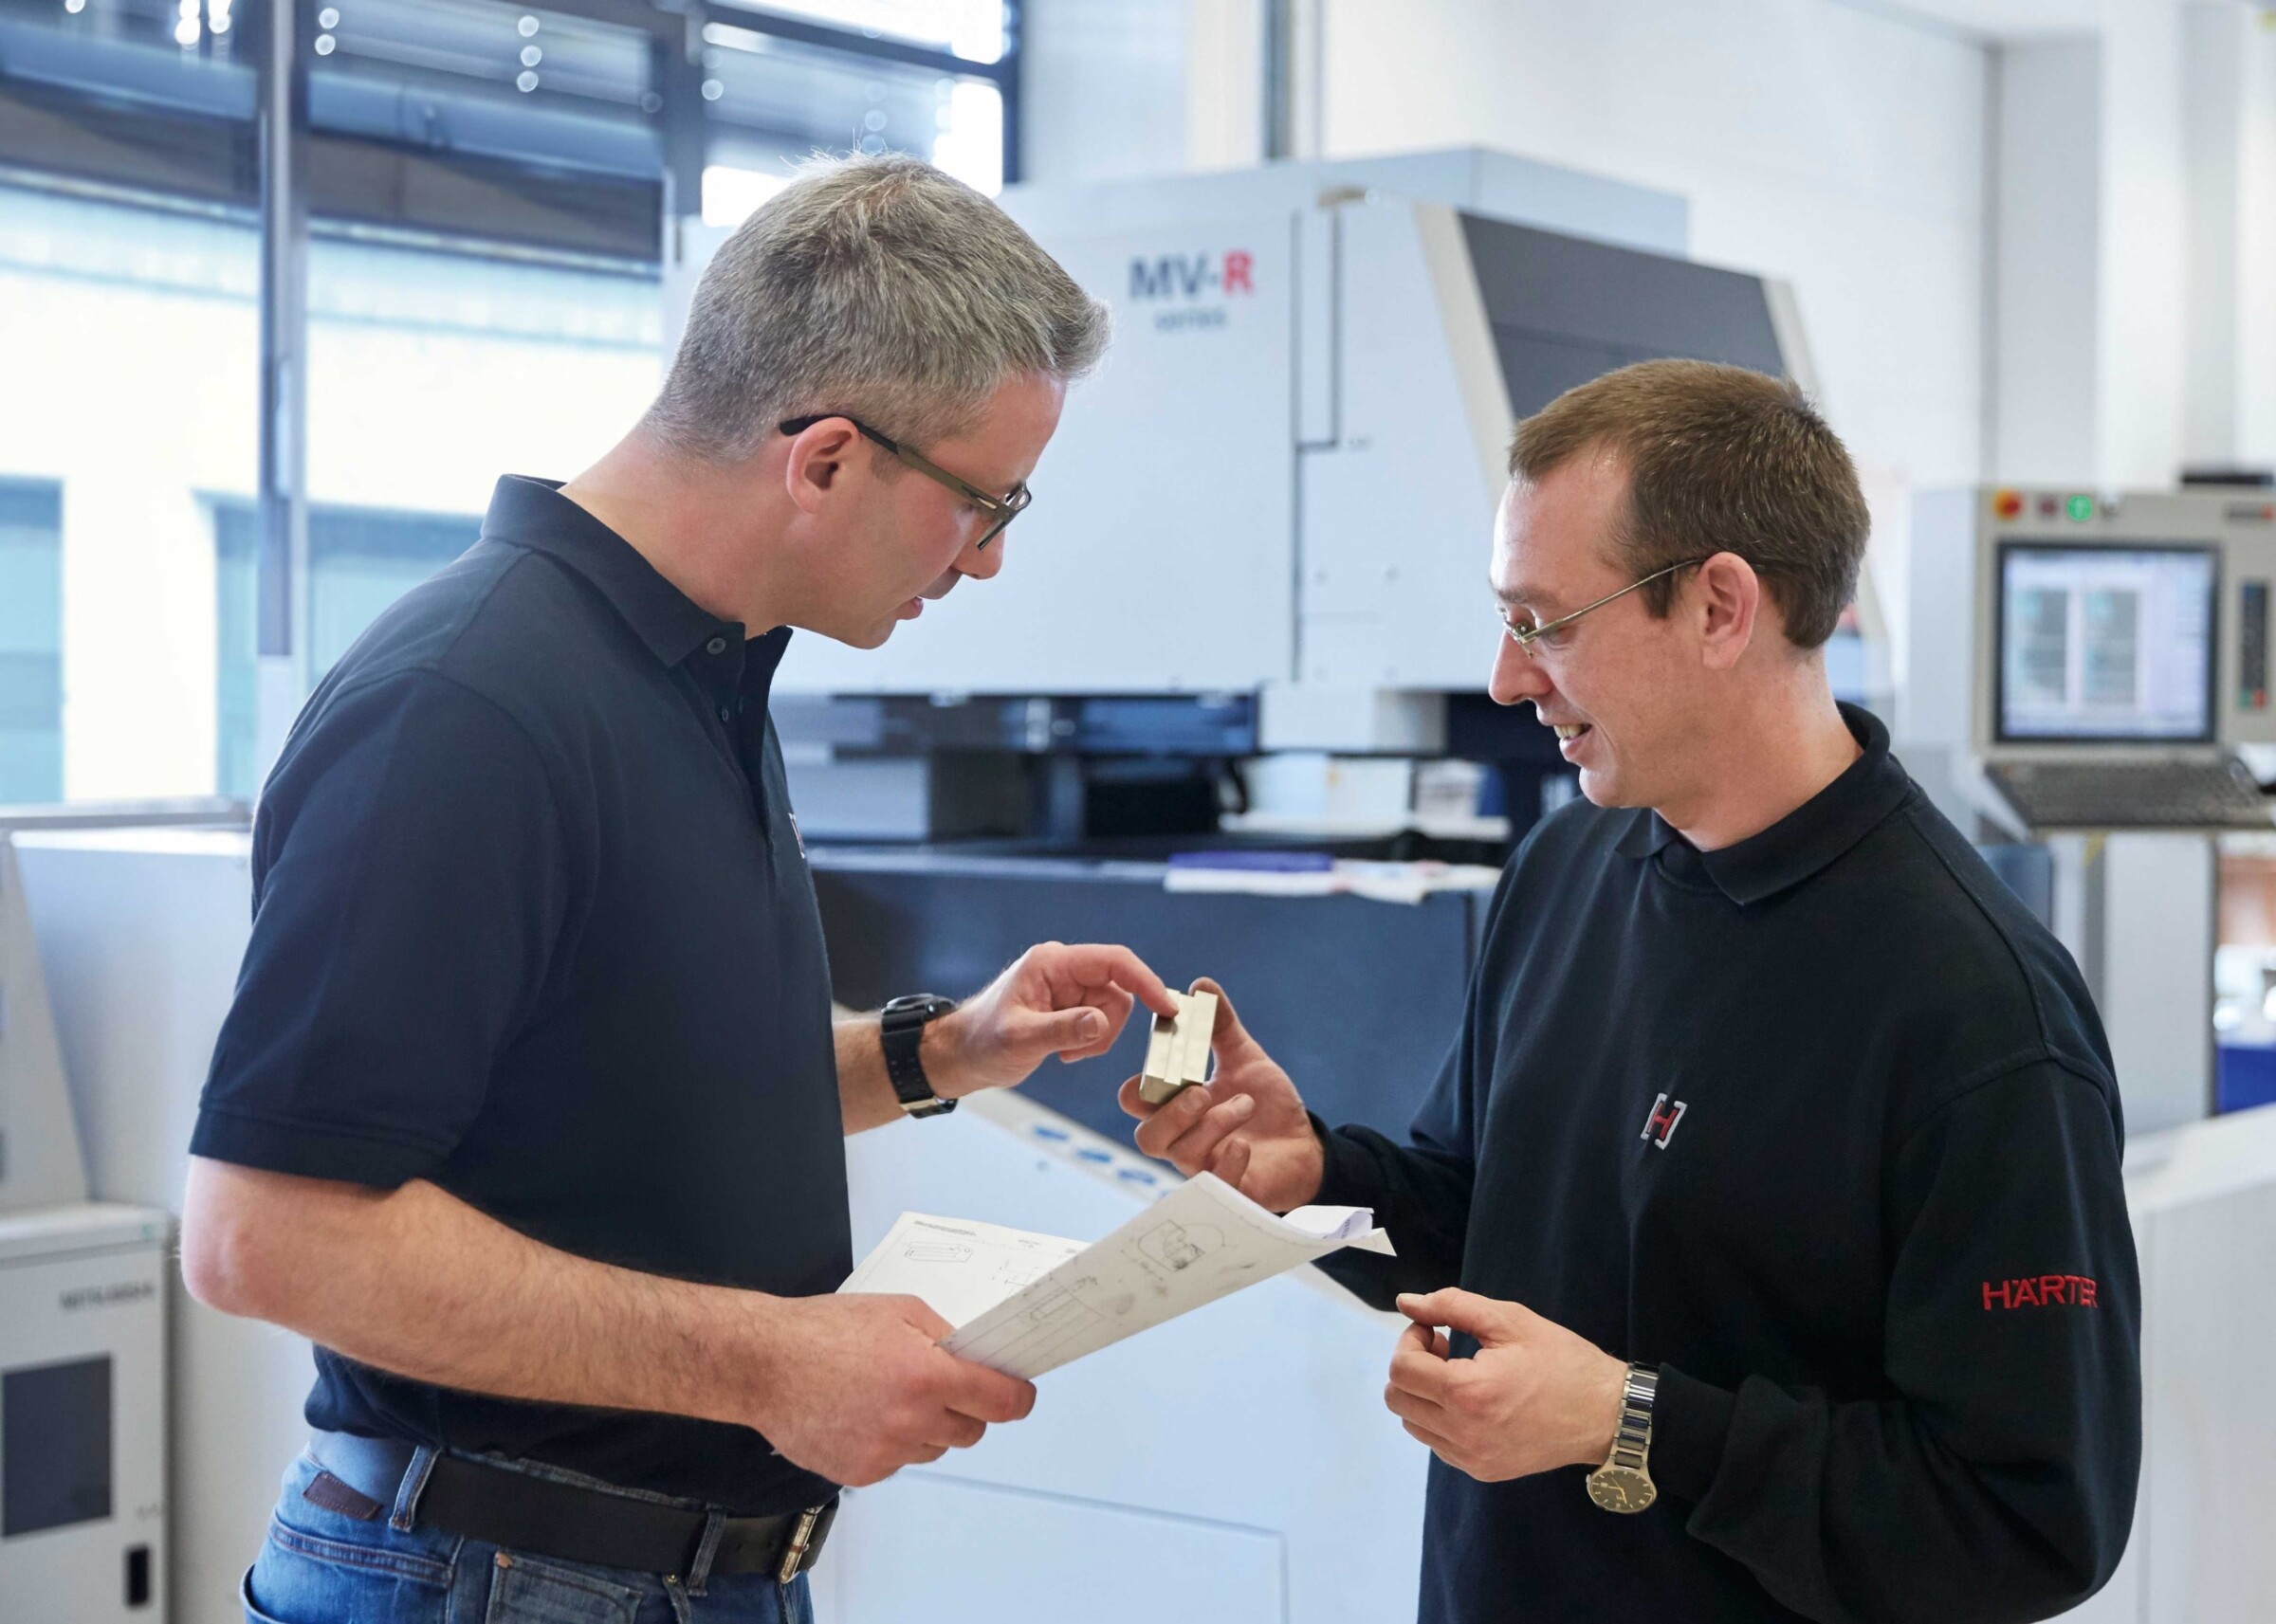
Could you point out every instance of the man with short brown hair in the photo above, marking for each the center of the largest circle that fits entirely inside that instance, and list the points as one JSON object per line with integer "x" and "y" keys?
{"x": 1771, "y": 1189}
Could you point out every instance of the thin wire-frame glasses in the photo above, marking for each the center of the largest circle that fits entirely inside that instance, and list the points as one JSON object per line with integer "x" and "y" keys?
{"x": 1526, "y": 636}
{"x": 1000, "y": 510}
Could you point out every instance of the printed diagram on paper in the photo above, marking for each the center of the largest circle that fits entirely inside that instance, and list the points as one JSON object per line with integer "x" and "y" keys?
{"x": 961, "y": 1269}
{"x": 1026, "y": 1304}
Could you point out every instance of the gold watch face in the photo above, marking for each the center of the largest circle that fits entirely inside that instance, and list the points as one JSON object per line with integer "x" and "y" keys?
{"x": 1622, "y": 1488}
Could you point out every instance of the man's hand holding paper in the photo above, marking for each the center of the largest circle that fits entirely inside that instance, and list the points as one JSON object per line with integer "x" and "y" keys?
{"x": 1036, "y": 1303}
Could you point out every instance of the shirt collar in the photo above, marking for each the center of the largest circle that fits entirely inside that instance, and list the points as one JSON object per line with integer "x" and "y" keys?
{"x": 1807, "y": 839}
{"x": 533, "y": 513}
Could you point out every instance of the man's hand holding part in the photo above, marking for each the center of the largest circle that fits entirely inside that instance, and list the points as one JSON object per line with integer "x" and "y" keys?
{"x": 1246, "y": 1125}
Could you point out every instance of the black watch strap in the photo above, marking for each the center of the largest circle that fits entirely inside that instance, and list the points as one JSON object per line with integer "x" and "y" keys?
{"x": 901, "y": 1025}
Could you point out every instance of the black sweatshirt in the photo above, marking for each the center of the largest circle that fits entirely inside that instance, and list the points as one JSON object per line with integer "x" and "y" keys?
{"x": 1823, "y": 1124}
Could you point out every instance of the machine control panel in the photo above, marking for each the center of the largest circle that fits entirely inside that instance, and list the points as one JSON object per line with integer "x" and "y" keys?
{"x": 2124, "y": 624}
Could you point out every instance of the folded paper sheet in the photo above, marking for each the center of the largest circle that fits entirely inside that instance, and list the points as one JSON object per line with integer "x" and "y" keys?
{"x": 1025, "y": 1303}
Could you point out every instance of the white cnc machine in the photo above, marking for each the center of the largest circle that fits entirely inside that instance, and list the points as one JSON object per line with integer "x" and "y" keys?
{"x": 83, "y": 1338}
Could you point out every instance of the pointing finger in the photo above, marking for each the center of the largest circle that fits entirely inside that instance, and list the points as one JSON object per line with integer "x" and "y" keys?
{"x": 1099, "y": 965}
{"x": 1492, "y": 1322}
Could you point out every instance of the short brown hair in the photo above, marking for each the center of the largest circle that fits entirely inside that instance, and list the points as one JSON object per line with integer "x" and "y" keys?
{"x": 1720, "y": 460}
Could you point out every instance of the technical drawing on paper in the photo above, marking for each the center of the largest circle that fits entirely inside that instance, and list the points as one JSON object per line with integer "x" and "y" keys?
{"x": 961, "y": 1269}
{"x": 1200, "y": 1242}
{"x": 1060, "y": 1307}
{"x": 1026, "y": 1304}
{"x": 1180, "y": 1245}
{"x": 934, "y": 1251}
{"x": 1052, "y": 1320}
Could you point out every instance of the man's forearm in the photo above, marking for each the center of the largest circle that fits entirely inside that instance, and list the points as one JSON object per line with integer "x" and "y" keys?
{"x": 415, "y": 1281}
{"x": 865, "y": 1090}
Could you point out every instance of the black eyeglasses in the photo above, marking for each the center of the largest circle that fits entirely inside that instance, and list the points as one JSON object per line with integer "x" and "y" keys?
{"x": 1000, "y": 510}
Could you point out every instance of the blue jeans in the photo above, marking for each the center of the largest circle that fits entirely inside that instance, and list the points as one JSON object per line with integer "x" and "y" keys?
{"x": 326, "y": 1567}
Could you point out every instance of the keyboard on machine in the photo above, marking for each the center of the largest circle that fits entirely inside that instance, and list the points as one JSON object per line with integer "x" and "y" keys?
{"x": 2132, "y": 795}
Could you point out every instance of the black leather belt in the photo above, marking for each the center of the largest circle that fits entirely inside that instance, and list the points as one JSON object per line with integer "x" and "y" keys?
{"x": 501, "y": 1506}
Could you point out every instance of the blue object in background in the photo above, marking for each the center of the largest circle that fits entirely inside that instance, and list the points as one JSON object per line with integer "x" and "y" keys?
{"x": 1359, "y": 999}
{"x": 1257, "y": 862}
{"x": 2245, "y": 1077}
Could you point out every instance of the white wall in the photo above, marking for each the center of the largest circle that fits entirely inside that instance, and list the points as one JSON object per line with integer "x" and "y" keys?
{"x": 2231, "y": 128}
{"x": 2143, "y": 245}
{"x": 1104, "y": 89}
{"x": 2047, "y": 308}
{"x": 1839, "y": 147}
{"x": 2134, "y": 257}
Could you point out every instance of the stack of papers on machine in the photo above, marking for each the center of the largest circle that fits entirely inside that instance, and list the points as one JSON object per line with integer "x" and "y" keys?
{"x": 1025, "y": 1303}
{"x": 1310, "y": 874}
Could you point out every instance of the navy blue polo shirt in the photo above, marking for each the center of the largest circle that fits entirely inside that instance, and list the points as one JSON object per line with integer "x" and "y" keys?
{"x": 1823, "y": 1124}
{"x": 531, "y": 921}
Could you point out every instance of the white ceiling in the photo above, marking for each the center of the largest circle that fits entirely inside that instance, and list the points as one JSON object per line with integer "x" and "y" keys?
{"x": 2013, "y": 19}
{"x": 2008, "y": 19}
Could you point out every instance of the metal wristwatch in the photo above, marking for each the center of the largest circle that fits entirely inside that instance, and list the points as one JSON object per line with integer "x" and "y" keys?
{"x": 901, "y": 1024}
{"x": 1624, "y": 1482}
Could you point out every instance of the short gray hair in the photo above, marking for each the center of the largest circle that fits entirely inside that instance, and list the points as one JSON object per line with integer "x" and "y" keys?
{"x": 875, "y": 286}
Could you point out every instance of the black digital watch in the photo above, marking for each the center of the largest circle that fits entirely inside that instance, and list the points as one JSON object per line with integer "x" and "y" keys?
{"x": 901, "y": 1024}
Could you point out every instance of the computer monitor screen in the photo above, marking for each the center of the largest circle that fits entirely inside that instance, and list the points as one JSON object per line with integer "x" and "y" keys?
{"x": 2107, "y": 645}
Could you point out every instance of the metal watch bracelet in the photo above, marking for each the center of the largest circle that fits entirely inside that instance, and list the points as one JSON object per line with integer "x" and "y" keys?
{"x": 1624, "y": 1482}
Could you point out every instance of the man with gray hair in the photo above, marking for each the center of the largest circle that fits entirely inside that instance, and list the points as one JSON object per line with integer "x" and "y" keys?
{"x": 530, "y": 1108}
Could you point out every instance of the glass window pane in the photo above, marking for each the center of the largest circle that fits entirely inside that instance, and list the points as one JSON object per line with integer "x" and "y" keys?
{"x": 31, "y": 642}
{"x": 468, "y": 118}
{"x": 91, "y": 294}
{"x": 175, "y": 50}
{"x": 974, "y": 30}
{"x": 485, "y": 184}
{"x": 107, "y": 90}
{"x": 439, "y": 58}
{"x": 774, "y": 101}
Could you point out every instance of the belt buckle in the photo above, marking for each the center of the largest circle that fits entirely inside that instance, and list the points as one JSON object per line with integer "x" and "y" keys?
{"x": 801, "y": 1536}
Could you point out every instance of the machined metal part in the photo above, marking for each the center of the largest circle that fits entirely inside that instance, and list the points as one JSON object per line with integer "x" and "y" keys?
{"x": 1177, "y": 1051}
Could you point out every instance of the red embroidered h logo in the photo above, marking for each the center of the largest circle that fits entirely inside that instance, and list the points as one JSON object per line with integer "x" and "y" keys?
{"x": 1661, "y": 1125}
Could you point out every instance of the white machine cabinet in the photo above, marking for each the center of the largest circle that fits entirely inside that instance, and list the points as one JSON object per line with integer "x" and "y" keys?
{"x": 1282, "y": 480}
{"x": 83, "y": 1400}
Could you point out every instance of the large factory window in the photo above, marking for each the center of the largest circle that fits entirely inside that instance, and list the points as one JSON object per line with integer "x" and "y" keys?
{"x": 773, "y": 101}
{"x": 128, "y": 375}
{"x": 31, "y": 642}
{"x": 486, "y": 186}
